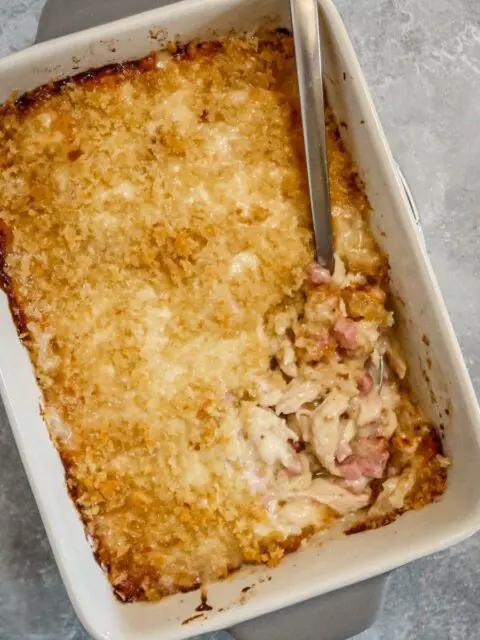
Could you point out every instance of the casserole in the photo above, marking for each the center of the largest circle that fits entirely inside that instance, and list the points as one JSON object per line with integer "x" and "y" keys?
{"x": 406, "y": 289}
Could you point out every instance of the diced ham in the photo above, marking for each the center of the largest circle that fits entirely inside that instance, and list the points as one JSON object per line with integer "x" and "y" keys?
{"x": 369, "y": 458}
{"x": 346, "y": 332}
{"x": 319, "y": 275}
{"x": 365, "y": 384}
{"x": 350, "y": 468}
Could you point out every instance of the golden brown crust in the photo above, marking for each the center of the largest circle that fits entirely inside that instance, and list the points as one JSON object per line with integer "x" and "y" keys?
{"x": 110, "y": 74}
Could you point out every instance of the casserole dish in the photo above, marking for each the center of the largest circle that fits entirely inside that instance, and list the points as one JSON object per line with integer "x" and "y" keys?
{"x": 348, "y": 560}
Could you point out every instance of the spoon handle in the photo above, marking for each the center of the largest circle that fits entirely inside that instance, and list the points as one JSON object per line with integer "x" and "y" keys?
{"x": 306, "y": 32}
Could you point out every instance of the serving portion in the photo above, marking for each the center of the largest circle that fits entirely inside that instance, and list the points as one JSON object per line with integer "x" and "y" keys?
{"x": 209, "y": 389}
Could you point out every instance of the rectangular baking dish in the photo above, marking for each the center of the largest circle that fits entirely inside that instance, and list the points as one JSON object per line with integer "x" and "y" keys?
{"x": 437, "y": 370}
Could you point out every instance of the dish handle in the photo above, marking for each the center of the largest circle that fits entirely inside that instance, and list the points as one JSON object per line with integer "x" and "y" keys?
{"x": 333, "y": 616}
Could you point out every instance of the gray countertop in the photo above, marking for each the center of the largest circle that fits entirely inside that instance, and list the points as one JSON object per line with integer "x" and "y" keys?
{"x": 422, "y": 61}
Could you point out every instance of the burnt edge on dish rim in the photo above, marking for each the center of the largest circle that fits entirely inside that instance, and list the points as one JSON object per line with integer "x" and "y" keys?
{"x": 26, "y": 101}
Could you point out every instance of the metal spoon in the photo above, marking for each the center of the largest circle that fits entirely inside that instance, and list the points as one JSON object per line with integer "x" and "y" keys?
{"x": 378, "y": 374}
{"x": 308, "y": 56}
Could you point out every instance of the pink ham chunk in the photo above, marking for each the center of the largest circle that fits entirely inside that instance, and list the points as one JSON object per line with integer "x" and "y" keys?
{"x": 346, "y": 332}
{"x": 369, "y": 458}
{"x": 350, "y": 469}
{"x": 319, "y": 275}
{"x": 365, "y": 384}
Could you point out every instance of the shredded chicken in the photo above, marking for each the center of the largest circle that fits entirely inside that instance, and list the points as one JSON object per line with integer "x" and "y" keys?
{"x": 286, "y": 358}
{"x": 369, "y": 408}
{"x": 284, "y": 320}
{"x": 344, "y": 448}
{"x": 393, "y": 494}
{"x": 332, "y": 494}
{"x": 327, "y": 428}
{"x": 273, "y": 439}
{"x": 270, "y": 389}
{"x": 297, "y": 394}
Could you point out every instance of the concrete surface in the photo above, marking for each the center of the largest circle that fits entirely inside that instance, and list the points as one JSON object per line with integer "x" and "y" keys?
{"x": 422, "y": 61}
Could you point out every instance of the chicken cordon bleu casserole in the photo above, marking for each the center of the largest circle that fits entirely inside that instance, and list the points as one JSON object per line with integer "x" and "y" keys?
{"x": 213, "y": 393}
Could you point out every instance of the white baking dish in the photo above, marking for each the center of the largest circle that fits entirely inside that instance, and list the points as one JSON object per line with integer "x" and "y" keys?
{"x": 437, "y": 369}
